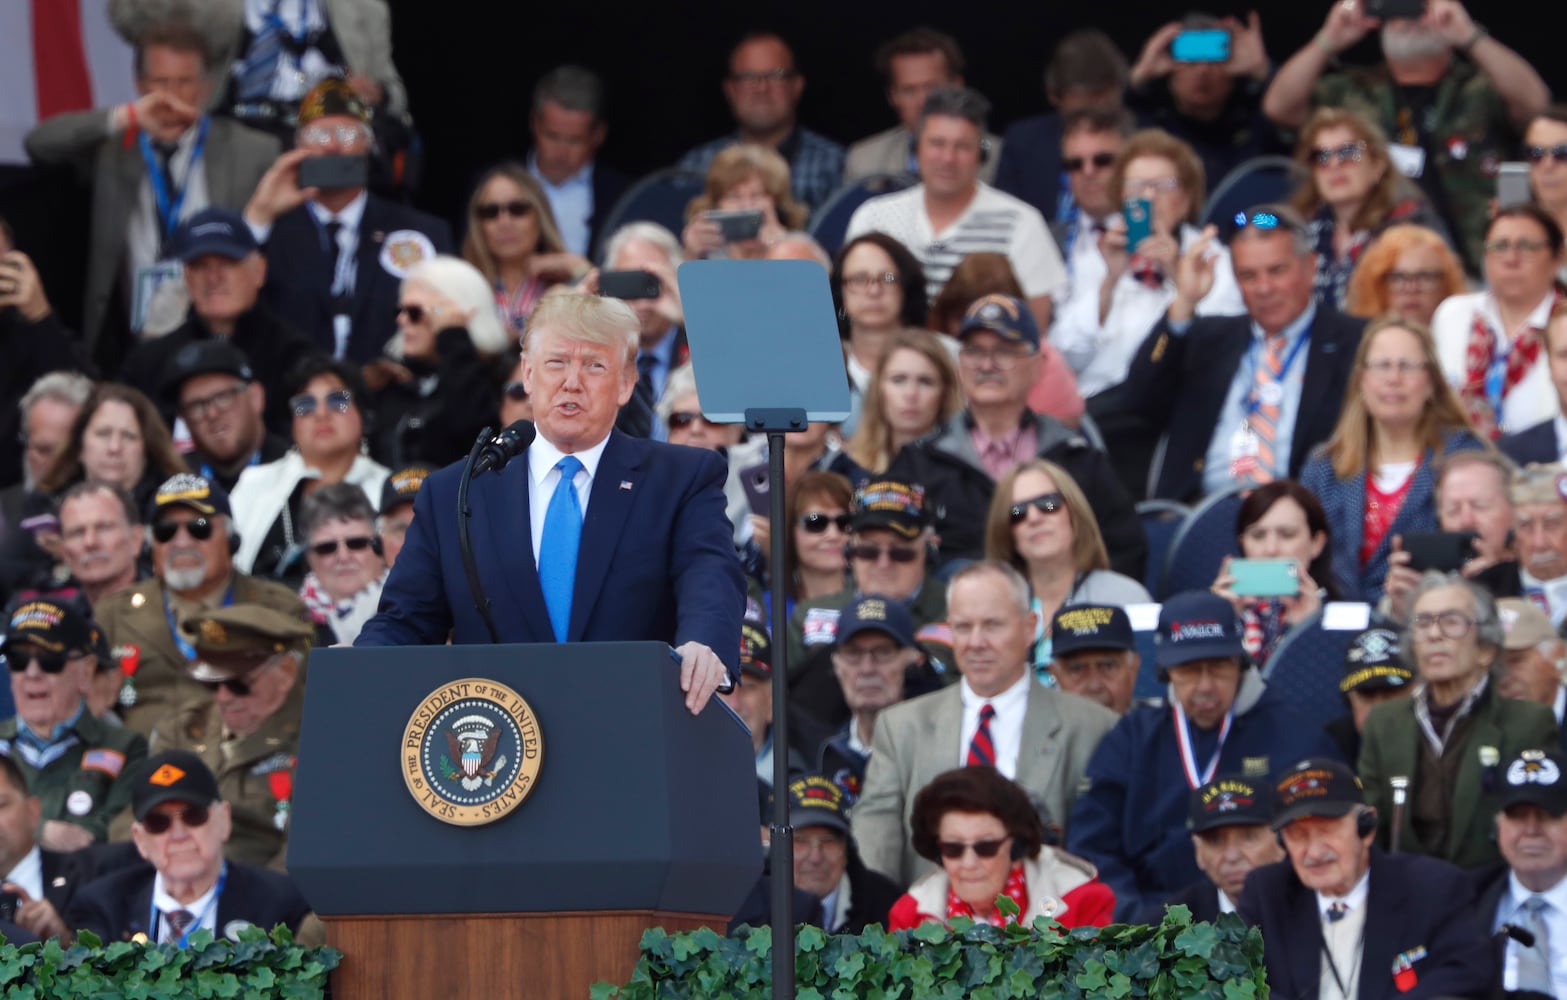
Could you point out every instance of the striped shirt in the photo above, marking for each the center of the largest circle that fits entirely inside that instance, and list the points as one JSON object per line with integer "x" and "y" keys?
{"x": 994, "y": 221}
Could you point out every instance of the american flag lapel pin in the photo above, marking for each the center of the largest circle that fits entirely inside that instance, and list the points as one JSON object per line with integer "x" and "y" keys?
{"x": 625, "y": 485}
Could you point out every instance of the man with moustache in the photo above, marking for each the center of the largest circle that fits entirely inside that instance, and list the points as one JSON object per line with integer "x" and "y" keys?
{"x": 1228, "y": 818}
{"x": 1539, "y": 497}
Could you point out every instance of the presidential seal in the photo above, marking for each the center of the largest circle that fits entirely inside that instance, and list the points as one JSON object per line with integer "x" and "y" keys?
{"x": 471, "y": 752}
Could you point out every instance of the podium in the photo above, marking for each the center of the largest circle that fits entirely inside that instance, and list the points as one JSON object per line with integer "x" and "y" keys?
{"x": 640, "y": 815}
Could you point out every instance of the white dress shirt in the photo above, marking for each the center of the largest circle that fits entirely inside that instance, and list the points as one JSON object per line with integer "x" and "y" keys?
{"x": 29, "y": 873}
{"x": 1510, "y": 911}
{"x": 1345, "y": 939}
{"x": 203, "y": 907}
{"x": 1553, "y": 591}
{"x": 543, "y": 477}
{"x": 1561, "y": 438}
{"x": 1006, "y": 726}
{"x": 1529, "y": 402}
{"x": 144, "y": 235}
{"x": 347, "y": 263}
{"x": 571, "y": 202}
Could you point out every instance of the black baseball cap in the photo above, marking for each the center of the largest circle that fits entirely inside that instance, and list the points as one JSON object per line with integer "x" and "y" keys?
{"x": 203, "y": 357}
{"x": 894, "y": 506}
{"x": 1077, "y": 627}
{"x": 1315, "y": 786}
{"x": 402, "y": 486}
{"x": 184, "y": 489}
{"x": 817, "y": 801}
{"x": 54, "y": 626}
{"x": 1536, "y": 777}
{"x": 172, "y": 776}
{"x": 1229, "y": 800}
{"x": 756, "y": 650}
{"x": 1373, "y": 663}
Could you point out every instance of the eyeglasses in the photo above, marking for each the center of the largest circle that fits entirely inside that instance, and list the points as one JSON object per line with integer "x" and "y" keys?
{"x": 338, "y": 401}
{"x": 873, "y": 553}
{"x": 217, "y": 403}
{"x": 516, "y": 209}
{"x": 1408, "y": 281}
{"x": 952, "y": 850}
{"x": 193, "y": 816}
{"x": 879, "y": 656}
{"x": 768, "y": 78}
{"x": 1387, "y": 366}
{"x": 239, "y": 687}
{"x": 1001, "y": 357}
{"x": 1450, "y": 624}
{"x": 356, "y": 544}
{"x": 516, "y": 391}
{"x": 1045, "y": 503}
{"x": 816, "y": 522}
{"x": 1507, "y": 246}
{"x": 1539, "y": 154}
{"x": 1349, "y": 152}
{"x": 865, "y": 282}
{"x": 680, "y": 419}
{"x": 1148, "y": 188}
{"x": 198, "y": 528}
{"x": 323, "y": 135}
{"x": 49, "y": 663}
{"x": 1075, "y": 164}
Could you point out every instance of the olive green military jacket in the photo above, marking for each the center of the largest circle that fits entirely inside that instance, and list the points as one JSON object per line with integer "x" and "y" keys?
{"x": 88, "y": 782}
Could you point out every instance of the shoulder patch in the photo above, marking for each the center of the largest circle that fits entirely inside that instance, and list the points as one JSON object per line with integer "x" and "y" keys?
{"x": 279, "y": 761}
{"x": 110, "y": 762}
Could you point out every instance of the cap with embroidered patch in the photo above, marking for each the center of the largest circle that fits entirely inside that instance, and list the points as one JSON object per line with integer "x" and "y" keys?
{"x": 1078, "y": 627}
{"x": 54, "y": 626}
{"x": 1004, "y": 316}
{"x": 1373, "y": 663}
{"x": 816, "y": 801}
{"x": 172, "y": 776}
{"x": 756, "y": 650}
{"x": 1315, "y": 786}
{"x": 894, "y": 506}
{"x": 1535, "y": 777}
{"x": 198, "y": 493}
{"x": 1196, "y": 625}
{"x": 230, "y": 642}
{"x": 402, "y": 486}
{"x": 875, "y": 613}
{"x": 1228, "y": 800}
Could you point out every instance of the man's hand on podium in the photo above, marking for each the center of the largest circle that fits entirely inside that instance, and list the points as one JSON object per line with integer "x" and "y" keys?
{"x": 701, "y": 671}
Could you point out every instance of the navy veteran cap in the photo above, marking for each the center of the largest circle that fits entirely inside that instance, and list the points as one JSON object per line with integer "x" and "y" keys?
{"x": 1004, "y": 316}
{"x": 1196, "y": 625}
{"x": 897, "y": 507}
{"x": 54, "y": 626}
{"x": 816, "y": 801}
{"x": 1315, "y": 786}
{"x": 756, "y": 650}
{"x": 1373, "y": 663}
{"x": 402, "y": 486}
{"x": 874, "y": 613}
{"x": 1228, "y": 800}
{"x": 172, "y": 776}
{"x": 1535, "y": 777}
{"x": 198, "y": 493}
{"x": 1078, "y": 627}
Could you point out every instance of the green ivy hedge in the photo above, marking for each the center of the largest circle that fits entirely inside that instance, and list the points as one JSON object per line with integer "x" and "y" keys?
{"x": 1175, "y": 959}
{"x": 257, "y": 966}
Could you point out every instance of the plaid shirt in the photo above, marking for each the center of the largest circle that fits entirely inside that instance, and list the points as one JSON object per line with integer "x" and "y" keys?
{"x": 815, "y": 162}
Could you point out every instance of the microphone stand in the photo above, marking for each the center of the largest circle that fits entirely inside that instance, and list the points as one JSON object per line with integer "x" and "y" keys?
{"x": 470, "y": 566}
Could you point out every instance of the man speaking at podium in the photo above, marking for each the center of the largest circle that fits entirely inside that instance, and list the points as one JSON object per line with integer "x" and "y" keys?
{"x": 589, "y": 535}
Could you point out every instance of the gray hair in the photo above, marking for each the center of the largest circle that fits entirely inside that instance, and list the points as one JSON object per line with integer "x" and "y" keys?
{"x": 574, "y": 88}
{"x": 1022, "y": 599}
{"x": 956, "y": 102}
{"x": 681, "y": 381}
{"x": 808, "y": 242}
{"x": 461, "y": 282}
{"x": 337, "y": 501}
{"x": 71, "y": 388}
{"x": 87, "y": 487}
{"x": 645, "y": 232}
{"x": 1488, "y": 625}
{"x": 1490, "y": 457}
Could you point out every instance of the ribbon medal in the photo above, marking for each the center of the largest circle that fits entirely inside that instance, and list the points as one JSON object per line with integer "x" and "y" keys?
{"x": 130, "y": 660}
{"x": 281, "y": 783}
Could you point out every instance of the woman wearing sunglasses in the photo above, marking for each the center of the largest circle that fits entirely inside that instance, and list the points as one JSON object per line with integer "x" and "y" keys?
{"x": 326, "y": 399}
{"x": 440, "y": 381}
{"x": 1545, "y": 150}
{"x": 1350, "y": 194}
{"x": 817, "y": 509}
{"x": 513, "y": 240}
{"x": 347, "y": 567}
{"x": 1041, "y": 524}
{"x": 986, "y": 835}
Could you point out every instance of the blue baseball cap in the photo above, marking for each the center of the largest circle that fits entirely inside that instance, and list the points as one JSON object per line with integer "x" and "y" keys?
{"x": 213, "y": 231}
{"x": 1004, "y": 316}
{"x": 874, "y": 613}
{"x": 1196, "y": 625}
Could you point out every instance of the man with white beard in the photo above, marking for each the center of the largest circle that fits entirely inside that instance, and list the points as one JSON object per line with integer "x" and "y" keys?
{"x": 1431, "y": 105}
{"x": 193, "y": 539}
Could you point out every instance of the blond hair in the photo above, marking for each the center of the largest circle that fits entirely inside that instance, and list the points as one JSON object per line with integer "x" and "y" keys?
{"x": 1088, "y": 545}
{"x": 577, "y": 316}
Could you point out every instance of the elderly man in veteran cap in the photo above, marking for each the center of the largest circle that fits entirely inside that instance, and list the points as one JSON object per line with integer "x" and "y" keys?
{"x": 1374, "y": 671}
{"x": 1228, "y": 818}
{"x": 1534, "y": 656}
{"x": 1341, "y": 919}
{"x": 827, "y": 862}
{"x": 752, "y": 700}
{"x": 1540, "y": 524}
{"x": 396, "y": 511}
{"x": 186, "y": 884}
{"x": 79, "y": 767}
{"x": 1094, "y": 654}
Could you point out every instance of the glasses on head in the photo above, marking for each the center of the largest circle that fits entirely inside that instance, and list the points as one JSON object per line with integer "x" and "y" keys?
{"x": 952, "y": 850}
{"x": 1149, "y": 188}
{"x": 681, "y": 419}
{"x": 239, "y": 687}
{"x": 1389, "y": 366}
{"x": 873, "y": 553}
{"x": 865, "y": 282}
{"x": 490, "y": 211}
{"x": 516, "y": 392}
{"x": 1508, "y": 246}
{"x": 1539, "y": 154}
{"x": 219, "y": 402}
{"x": 761, "y": 79}
{"x": 1409, "y": 281}
{"x": 1349, "y": 152}
{"x": 193, "y": 816}
{"x": 198, "y": 528}
{"x": 1045, "y": 503}
{"x": 1264, "y": 221}
{"x": 324, "y": 135}
{"x": 876, "y": 656}
{"x": 338, "y": 401}
{"x": 49, "y": 663}
{"x": 356, "y": 544}
{"x": 1450, "y": 624}
{"x": 1001, "y": 357}
{"x": 816, "y": 522}
{"x": 1100, "y": 161}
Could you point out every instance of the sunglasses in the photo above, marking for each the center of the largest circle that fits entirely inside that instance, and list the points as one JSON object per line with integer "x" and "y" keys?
{"x": 816, "y": 522}
{"x": 516, "y": 392}
{"x": 49, "y": 663}
{"x": 198, "y": 528}
{"x": 1539, "y": 154}
{"x": 1349, "y": 152}
{"x": 356, "y": 544}
{"x": 1045, "y": 503}
{"x": 414, "y": 314}
{"x": 192, "y": 816}
{"x": 1075, "y": 164}
{"x": 516, "y": 209}
{"x": 952, "y": 850}
{"x": 237, "y": 686}
{"x": 872, "y": 553}
{"x": 685, "y": 418}
{"x": 338, "y": 400}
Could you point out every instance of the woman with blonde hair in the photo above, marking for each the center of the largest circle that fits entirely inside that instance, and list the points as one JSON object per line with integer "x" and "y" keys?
{"x": 1374, "y": 475}
{"x": 913, "y": 392}
{"x": 513, "y": 240}
{"x": 1406, "y": 271}
{"x": 1041, "y": 524}
{"x": 742, "y": 178}
{"x": 1350, "y": 194}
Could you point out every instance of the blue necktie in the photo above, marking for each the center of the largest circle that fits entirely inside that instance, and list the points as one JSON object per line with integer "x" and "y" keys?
{"x": 558, "y": 547}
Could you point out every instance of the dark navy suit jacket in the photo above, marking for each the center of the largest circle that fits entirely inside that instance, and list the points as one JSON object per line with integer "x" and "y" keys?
{"x": 1030, "y": 166}
{"x": 1414, "y": 902}
{"x": 657, "y": 560}
{"x": 1532, "y": 444}
{"x": 116, "y": 906}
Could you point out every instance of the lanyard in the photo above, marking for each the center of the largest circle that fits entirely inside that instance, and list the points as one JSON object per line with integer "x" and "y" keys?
{"x": 1183, "y": 739}
{"x": 1252, "y": 402}
{"x": 184, "y": 941}
{"x": 1327, "y": 953}
{"x": 169, "y": 205}
{"x": 186, "y": 649}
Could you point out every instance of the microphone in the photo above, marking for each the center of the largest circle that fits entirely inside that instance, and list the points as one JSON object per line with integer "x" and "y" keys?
{"x": 1522, "y": 936}
{"x": 504, "y": 447}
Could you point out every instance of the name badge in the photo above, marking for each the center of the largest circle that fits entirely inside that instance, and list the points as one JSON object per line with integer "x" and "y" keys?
{"x": 148, "y": 281}
{"x": 1407, "y": 160}
{"x": 1244, "y": 449}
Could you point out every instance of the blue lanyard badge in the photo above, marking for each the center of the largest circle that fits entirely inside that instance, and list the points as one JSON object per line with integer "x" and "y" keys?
{"x": 1496, "y": 379}
{"x": 1253, "y": 400}
{"x": 184, "y": 941}
{"x": 170, "y": 201}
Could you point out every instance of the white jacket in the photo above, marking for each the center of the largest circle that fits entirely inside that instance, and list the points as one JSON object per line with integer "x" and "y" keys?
{"x": 263, "y": 491}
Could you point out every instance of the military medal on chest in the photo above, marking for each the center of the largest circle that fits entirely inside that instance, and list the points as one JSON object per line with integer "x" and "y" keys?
{"x": 130, "y": 659}
{"x": 281, "y": 783}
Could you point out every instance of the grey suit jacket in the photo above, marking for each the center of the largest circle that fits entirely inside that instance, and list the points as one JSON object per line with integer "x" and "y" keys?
{"x": 234, "y": 159}
{"x": 917, "y": 740}
{"x": 888, "y": 153}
